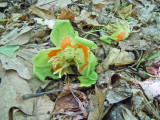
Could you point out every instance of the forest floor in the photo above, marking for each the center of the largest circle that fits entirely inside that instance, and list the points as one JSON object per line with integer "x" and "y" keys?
{"x": 127, "y": 36}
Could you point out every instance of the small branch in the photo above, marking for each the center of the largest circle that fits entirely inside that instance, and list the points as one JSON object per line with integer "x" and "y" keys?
{"x": 39, "y": 94}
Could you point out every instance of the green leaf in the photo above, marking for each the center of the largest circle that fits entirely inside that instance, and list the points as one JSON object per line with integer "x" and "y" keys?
{"x": 85, "y": 42}
{"x": 60, "y": 29}
{"x": 42, "y": 68}
{"x": 8, "y": 50}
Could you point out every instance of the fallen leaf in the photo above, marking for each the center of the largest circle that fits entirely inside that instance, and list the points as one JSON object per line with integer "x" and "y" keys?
{"x": 126, "y": 11}
{"x": 134, "y": 42}
{"x": 41, "y": 12}
{"x": 17, "y": 36}
{"x": 53, "y": 4}
{"x": 44, "y": 107}
{"x": 86, "y": 17}
{"x": 71, "y": 104}
{"x": 121, "y": 92}
{"x": 66, "y": 14}
{"x": 12, "y": 88}
{"x": 9, "y": 36}
{"x": 49, "y": 23}
{"x": 8, "y": 50}
{"x": 146, "y": 13}
{"x": 151, "y": 87}
{"x": 118, "y": 58}
{"x": 3, "y": 4}
{"x": 115, "y": 113}
{"x": 117, "y": 5}
{"x": 19, "y": 16}
{"x": 100, "y": 4}
{"x": 150, "y": 32}
{"x": 152, "y": 70}
{"x": 23, "y": 36}
{"x": 18, "y": 64}
{"x": 127, "y": 114}
{"x": 132, "y": 45}
{"x": 97, "y": 105}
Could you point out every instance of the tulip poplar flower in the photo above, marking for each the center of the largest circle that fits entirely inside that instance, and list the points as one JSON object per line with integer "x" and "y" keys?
{"x": 69, "y": 50}
{"x": 118, "y": 31}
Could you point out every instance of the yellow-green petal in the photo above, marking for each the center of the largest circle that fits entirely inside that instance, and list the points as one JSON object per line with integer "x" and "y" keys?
{"x": 89, "y": 71}
{"x": 83, "y": 41}
{"x": 41, "y": 67}
{"x": 60, "y": 29}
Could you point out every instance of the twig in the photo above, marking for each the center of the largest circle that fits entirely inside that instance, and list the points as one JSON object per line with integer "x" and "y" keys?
{"x": 39, "y": 94}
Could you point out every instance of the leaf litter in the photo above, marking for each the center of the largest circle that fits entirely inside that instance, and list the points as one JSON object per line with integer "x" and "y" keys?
{"x": 121, "y": 92}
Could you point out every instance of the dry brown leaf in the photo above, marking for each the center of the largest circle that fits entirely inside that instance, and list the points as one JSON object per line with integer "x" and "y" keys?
{"x": 118, "y": 58}
{"x": 41, "y": 12}
{"x": 97, "y": 102}
{"x": 100, "y": 4}
{"x": 66, "y": 14}
{"x": 19, "y": 16}
{"x": 71, "y": 103}
{"x": 12, "y": 88}
{"x": 87, "y": 18}
{"x": 152, "y": 70}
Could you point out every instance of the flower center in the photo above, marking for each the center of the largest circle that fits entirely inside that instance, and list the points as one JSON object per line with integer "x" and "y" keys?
{"x": 63, "y": 59}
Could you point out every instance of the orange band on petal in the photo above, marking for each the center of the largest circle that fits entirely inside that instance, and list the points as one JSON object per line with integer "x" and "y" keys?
{"x": 86, "y": 52}
{"x": 66, "y": 42}
{"x": 53, "y": 53}
{"x": 121, "y": 35}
